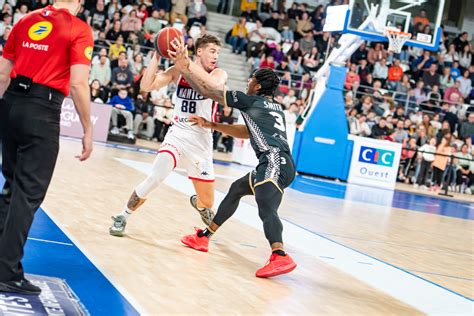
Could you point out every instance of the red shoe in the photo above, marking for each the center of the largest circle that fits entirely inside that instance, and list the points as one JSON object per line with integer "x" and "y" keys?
{"x": 276, "y": 265}
{"x": 196, "y": 242}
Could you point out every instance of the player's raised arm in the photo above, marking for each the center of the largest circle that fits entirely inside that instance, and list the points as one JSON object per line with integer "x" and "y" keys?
{"x": 237, "y": 130}
{"x": 210, "y": 86}
{"x": 152, "y": 80}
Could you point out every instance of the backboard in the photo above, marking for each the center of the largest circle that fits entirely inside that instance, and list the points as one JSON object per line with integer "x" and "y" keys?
{"x": 421, "y": 18}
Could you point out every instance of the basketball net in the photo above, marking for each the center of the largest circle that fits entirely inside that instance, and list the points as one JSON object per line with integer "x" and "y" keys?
{"x": 396, "y": 39}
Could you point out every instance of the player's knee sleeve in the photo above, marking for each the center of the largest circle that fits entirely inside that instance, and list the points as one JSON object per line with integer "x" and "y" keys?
{"x": 268, "y": 199}
{"x": 162, "y": 166}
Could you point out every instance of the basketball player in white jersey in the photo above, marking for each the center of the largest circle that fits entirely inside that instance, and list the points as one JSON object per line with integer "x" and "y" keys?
{"x": 185, "y": 143}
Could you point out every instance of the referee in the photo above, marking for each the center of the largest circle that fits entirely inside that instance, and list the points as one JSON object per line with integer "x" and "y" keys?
{"x": 47, "y": 54}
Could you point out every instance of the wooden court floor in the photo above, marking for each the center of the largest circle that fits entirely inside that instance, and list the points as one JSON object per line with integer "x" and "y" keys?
{"x": 164, "y": 277}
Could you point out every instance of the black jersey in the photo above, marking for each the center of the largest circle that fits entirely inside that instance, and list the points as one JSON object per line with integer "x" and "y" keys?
{"x": 264, "y": 119}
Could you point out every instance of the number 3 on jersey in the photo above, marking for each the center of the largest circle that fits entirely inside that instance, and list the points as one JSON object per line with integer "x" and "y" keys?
{"x": 280, "y": 124}
{"x": 188, "y": 106}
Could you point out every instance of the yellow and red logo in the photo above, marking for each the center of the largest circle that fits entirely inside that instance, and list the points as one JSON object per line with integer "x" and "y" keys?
{"x": 88, "y": 52}
{"x": 40, "y": 30}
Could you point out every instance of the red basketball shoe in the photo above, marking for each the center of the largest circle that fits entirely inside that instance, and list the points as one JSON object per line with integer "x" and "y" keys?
{"x": 196, "y": 242}
{"x": 276, "y": 265}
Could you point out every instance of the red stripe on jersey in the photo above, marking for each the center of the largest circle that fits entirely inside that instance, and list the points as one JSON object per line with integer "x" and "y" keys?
{"x": 172, "y": 155}
{"x": 215, "y": 106}
{"x": 202, "y": 180}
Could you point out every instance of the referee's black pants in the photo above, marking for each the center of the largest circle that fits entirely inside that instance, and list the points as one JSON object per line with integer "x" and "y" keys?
{"x": 30, "y": 148}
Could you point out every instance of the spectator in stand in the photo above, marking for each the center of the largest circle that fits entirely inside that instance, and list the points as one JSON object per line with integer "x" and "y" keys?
{"x": 465, "y": 58}
{"x": 273, "y": 20}
{"x": 400, "y": 132}
{"x": 21, "y": 12}
{"x": 122, "y": 105}
{"x": 441, "y": 160}
{"x": 352, "y": 78}
{"x": 359, "y": 126}
{"x": 465, "y": 84}
{"x": 98, "y": 16}
{"x": 268, "y": 62}
{"x": 163, "y": 6}
{"x": 311, "y": 60}
{"x": 430, "y": 131}
{"x": 426, "y": 157}
{"x": 100, "y": 42}
{"x": 238, "y": 36}
{"x": 98, "y": 93}
{"x": 153, "y": 24}
{"x": 446, "y": 80}
{"x": 163, "y": 119}
{"x": 455, "y": 71}
{"x": 420, "y": 93}
{"x": 143, "y": 118}
{"x": 436, "y": 123}
{"x": 431, "y": 77}
{"x": 136, "y": 64}
{"x": 112, "y": 7}
{"x": 283, "y": 66}
{"x": 289, "y": 98}
{"x": 421, "y": 18}
{"x": 424, "y": 62}
{"x": 223, "y": 142}
{"x": 461, "y": 41}
{"x": 101, "y": 72}
{"x": 131, "y": 22}
{"x": 303, "y": 25}
{"x": 116, "y": 48}
{"x": 399, "y": 113}
{"x": 197, "y": 13}
{"x": 420, "y": 135}
{"x": 307, "y": 42}
{"x": 178, "y": 11}
{"x": 380, "y": 131}
{"x": 295, "y": 57}
{"x": 434, "y": 98}
{"x": 364, "y": 70}
{"x": 381, "y": 71}
{"x": 122, "y": 77}
{"x": 142, "y": 12}
{"x": 277, "y": 54}
{"x": 287, "y": 27}
{"x": 360, "y": 54}
{"x": 6, "y": 22}
{"x": 376, "y": 54}
{"x": 349, "y": 100}
{"x": 407, "y": 159}
{"x": 451, "y": 55}
{"x": 467, "y": 129}
{"x": 114, "y": 33}
{"x": 453, "y": 94}
{"x": 464, "y": 176}
{"x": 395, "y": 74}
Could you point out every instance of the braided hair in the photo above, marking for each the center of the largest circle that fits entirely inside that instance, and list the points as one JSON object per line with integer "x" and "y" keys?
{"x": 268, "y": 80}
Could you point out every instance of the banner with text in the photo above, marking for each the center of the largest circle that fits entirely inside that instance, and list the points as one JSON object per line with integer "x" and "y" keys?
{"x": 374, "y": 162}
{"x": 71, "y": 124}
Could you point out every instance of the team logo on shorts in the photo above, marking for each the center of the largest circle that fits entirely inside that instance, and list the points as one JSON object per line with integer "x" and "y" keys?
{"x": 88, "y": 52}
{"x": 40, "y": 30}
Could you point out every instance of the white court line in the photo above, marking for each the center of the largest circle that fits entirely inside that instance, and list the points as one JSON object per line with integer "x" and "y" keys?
{"x": 415, "y": 291}
{"x": 92, "y": 259}
{"x": 51, "y": 241}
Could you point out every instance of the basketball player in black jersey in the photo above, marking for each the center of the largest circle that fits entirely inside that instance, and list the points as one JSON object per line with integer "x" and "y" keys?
{"x": 265, "y": 126}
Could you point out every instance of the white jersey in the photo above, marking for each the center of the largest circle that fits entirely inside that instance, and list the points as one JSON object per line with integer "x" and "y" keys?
{"x": 188, "y": 102}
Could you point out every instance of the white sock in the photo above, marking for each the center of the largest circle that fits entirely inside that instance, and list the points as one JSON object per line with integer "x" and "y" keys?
{"x": 126, "y": 212}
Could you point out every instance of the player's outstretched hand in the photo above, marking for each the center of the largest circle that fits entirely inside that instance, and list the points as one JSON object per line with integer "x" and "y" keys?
{"x": 201, "y": 121}
{"x": 179, "y": 56}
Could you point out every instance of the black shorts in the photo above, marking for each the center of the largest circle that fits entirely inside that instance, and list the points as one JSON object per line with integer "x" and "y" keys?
{"x": 276, "y": 167}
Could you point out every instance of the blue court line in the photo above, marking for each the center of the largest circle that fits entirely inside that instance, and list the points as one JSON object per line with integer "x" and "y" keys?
{"x": 403, "y": 200}
{"x": 365, "y": 254}
{"x": 67, "y": 262}
{"x": 93, "y": 289}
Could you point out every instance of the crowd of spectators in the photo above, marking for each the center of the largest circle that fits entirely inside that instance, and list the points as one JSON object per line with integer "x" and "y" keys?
{"x": 418, "y": 98}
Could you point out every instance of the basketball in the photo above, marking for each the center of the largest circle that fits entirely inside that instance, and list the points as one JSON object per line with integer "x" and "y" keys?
{"x": 164, "y": 38}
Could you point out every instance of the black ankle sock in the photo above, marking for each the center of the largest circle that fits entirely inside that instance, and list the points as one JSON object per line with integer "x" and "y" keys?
{"x": 206, "y": 232}
{"x": 279, "y": 252}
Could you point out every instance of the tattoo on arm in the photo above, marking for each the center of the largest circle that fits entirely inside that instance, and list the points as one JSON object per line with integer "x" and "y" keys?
{"x": 134, "y": 202}
{"x": 203, "y": 89}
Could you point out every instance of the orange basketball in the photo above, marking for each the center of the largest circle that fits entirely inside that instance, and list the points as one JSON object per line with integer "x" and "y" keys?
{"x": 164, "y": 38}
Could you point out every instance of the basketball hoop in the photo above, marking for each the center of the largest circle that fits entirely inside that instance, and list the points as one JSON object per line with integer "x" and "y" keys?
{"x": 396, "y": 39}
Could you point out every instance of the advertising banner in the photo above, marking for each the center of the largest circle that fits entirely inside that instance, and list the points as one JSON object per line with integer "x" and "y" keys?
{"x": 374, "y": 162}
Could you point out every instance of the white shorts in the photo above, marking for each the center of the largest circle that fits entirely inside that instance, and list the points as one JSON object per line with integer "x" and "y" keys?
{"x": 192, "y": 152}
